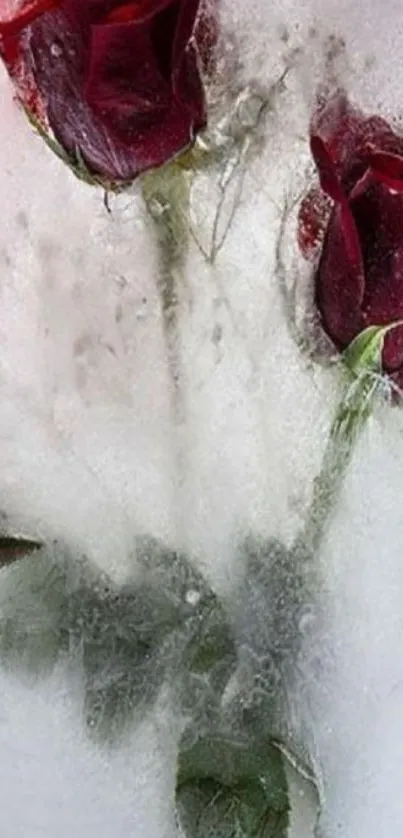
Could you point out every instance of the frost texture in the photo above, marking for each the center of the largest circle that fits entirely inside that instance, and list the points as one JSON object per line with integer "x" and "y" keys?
{"x": 87, "y": 443}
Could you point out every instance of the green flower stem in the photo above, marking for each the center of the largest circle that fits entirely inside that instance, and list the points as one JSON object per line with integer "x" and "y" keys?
{"x": 350, "y": 419}
{"x": 362, "y": 362}
{"x": 363, "y": 366}
{"x": 166, "y": 193}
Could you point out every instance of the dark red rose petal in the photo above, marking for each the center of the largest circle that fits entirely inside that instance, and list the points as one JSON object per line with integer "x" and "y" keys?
{"x": 388, "y": 169}
{"x": 392, "y": 355}
{"x": 120, "y": 81}
{"x": 162, "y": 30}
{"x": 186, "y": 81}
{"x": 339, "y": 282}
{"x": 125, "y": 14}
{"x": 327, "y": 166}
{"x": 25, "y": 14}
{"x": 123, "y": 80}
{"x": 397, "y": 380}
{"x": 350, "y": 137}
{"x": 359, "y": 280}
{"x": 187, "y": 13}
{"x": 139, "y": 10}
{"x": 10, "y": 32}
{"x": 77, "y": 125}
{"x": 83, "y": 14}
{"x": 338, "y": 126}
{"x": 10, "y": 50}
{"x": 378, "y": 215}
{"x": 347, "y": 234}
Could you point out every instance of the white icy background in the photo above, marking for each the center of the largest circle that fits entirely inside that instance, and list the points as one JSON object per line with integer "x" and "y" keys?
{"x": 86, "y": 446}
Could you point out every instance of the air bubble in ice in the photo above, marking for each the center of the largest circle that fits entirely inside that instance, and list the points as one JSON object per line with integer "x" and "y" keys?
{"x": 192, "y": 597}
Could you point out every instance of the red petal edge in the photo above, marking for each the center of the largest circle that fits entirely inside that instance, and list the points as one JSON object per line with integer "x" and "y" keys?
{"x": 331, "y": 186}
{"x": 388, "y": 169}
{"x": 27, "y": 13}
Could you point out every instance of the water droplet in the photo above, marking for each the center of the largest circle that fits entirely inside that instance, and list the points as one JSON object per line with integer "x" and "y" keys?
{"x": 192, "y": 597}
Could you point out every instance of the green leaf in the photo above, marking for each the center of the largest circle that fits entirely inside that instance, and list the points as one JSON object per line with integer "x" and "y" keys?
{"x": 212, "y": 647}
{"x": 133, "y": 640}
{"x": 227, "y": 787}
{"x": 167, "y": 624}
{"x": 365, "y": 351}
{"x": 13, "y": 548}
{"x": 33, "y": 602}
{"x": 363, "y": 359}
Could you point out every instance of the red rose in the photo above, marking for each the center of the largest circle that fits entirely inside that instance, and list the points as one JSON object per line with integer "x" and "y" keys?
{"x": 359, "y": 279}
{"x": 118, "y": 83}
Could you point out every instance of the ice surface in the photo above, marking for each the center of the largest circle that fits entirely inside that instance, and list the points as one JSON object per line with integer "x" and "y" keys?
{"x": 356, "y": 711}
{"x": 87, "y": 443}
{"x": 54, "y": 782}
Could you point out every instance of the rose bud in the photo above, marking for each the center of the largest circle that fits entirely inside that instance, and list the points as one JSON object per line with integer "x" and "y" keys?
{"x": 359, "y": 277}
{"x": 114, "y": 86}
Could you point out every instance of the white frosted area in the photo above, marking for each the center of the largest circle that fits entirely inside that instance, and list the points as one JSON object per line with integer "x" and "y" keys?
{"x": 54, "y": 782}
{"x": 356, "y": 713}
{"x": 87, "y": 443}
{"x": 81, "y": 371}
